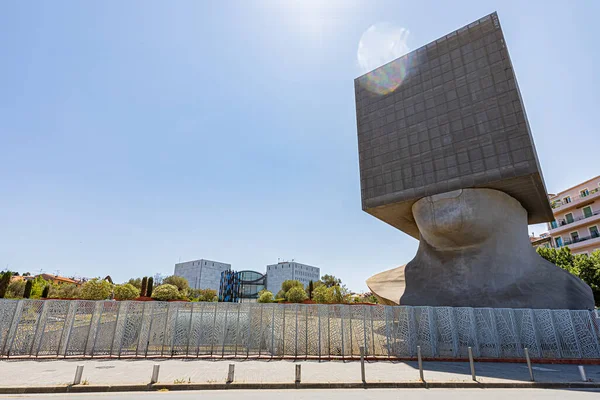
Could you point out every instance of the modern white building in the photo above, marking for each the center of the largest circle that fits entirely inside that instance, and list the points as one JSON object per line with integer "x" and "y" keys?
{"x": 202, "y": 274}
{"x": 285, "y": 270}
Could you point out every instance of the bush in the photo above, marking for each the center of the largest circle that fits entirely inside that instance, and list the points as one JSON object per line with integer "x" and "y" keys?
{"x": 96, "y": 289}
{"x": 46, "y": 292}
{"x": 126, "y": 292}
{"x": 28, "y": 286}
{"x": 178, "y": 281}
{"x": 4, "y": 282}
{"x": 15, "y": 289}
{"x": 287, "y": 285}
{"x": 66, "y": 291}
{"x": 202, "y": 294}
{"x": 280, "y": 295}
{"x": 166, "y": 292}
{"x": 320, "y": 294}
{"x": 150, "y": 287}
{"x": 265, "y": 297}
{"x": 296, "y": 294}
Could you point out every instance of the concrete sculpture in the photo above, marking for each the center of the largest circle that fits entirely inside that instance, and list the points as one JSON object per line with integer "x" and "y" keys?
{"x": 447, "y": 156}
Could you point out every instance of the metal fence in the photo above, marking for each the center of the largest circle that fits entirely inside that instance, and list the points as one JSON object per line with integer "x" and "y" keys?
{"x": 61, "y": 328}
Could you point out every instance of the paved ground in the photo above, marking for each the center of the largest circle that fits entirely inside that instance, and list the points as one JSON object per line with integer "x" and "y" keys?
{"x": 339, "y": 394}
{"x": 114, "y": 372}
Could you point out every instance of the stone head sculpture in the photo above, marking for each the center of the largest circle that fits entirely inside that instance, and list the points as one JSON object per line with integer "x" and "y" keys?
{"x": 446, "y": 155}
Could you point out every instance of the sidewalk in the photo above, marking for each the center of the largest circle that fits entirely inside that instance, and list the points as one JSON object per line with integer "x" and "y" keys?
{"x": 28, "y": 373}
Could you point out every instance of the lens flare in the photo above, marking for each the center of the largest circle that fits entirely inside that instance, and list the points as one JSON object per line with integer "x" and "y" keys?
{"x": 379, "y": 45}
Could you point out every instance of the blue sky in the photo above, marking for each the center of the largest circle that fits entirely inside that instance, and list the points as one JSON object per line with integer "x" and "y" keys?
{"x": 136, "y": 134}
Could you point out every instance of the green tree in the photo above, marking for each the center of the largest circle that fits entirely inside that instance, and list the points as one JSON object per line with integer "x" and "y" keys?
{"x": 331, "y": 281}
{"x": 311, "y": 287}
{"x": 166, "y": 292}
{"x": 179, "y": 282}
{"x": 126, "y": 292}
{"x": 66, "y": 291}
{"x": 16, "y": 289}
{"x": 150, "y": 287}
{"x": 4, "y": 282}
{"x": 144, "y": 286}
{"x": 264, "y": 296}
{"x": 28, "y": 287}
{"x": 96, "y": 289}
{"x": 296, "y": 294}
{"x": 136, "y": 282}
{"x": 320, "y": 294}
{"x": 38, "y": 285}
{"x": 46, "y": 292}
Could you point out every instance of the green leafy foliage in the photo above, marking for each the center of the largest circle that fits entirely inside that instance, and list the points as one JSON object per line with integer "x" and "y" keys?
{"x": 136, "y": 282}
{"x": 4, "y": 282}
{"x": 264, "y": 296}
{"x": 166, "y": 292}
{"x": 178, "y": 281}
{"x": 28, "y": 287}
{"x": 126, "y": 292}
{"x": 202, "y": 294}
{"x": 331, "y": 281}
{"x": 66, "y": 291}
{"x": 587, "y": 268}
{"x": 296, "y": 294}
{"x": 96, "y": 289}
{"x": 150, "y": 287}
{"x": 15, "y": 289}
{"x": 320, "y": 294}
{"x": 144, "y": 286}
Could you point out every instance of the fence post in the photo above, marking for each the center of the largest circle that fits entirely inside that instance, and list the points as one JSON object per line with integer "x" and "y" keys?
{"x": 529, "y": 364}
{"x": 362, "y": 364}
{"x": 78, "y": 374}
{"x": 37, "y": 327}
{"x": 296, "y": 335}
{"x": 225, "y": 330}
{"x": 230, "y": 373}
{"x": 472, "y": 364}
{"x": 420, "y": 362}
{"x": 43, "y": 330}
{"x": 155, "y": 371}
{"x": 273, "y": 332}
{"x": 73, "y": 304}
{"x": 187, "y": 349}
{"x": 582, "y": 373}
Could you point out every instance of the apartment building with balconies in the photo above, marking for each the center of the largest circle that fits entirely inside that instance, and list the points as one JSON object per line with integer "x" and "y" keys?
{"x": 577, "y": 217}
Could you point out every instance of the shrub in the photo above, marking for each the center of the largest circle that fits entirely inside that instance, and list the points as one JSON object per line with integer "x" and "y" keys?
{"x": 46, "y": 292}
{"x": 280, "y": 295}
{"x": 150, "y": 287}
{"x": 126, "y": 292}
{"x": 136, "y": 282}
{"x": 15, "y": 289}
{"x": 4, "y": 282}
{"x": 320, "y": 294}
{"x": 178, "y": 281}
{"x": 203, "y": 294}
{"x": 66, "y": 291}
{"x": 144, "y": 286}
{"x": 96, "y": 289}
{"x": 296, "y": 294}
{"x": 28, "y": 286}
{"x": 265, "y": 297}
{"x": 166, "y": 292}
{"x": 290, "y": 283}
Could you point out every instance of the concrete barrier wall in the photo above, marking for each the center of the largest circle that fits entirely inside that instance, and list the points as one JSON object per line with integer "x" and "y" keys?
{"x": 81, "y": 328}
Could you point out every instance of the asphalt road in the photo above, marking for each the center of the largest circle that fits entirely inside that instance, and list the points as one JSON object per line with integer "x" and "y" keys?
{"x": 336, "y": 394}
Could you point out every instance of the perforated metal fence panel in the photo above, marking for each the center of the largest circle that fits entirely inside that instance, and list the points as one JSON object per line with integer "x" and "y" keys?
{"x": 81, "y": 328}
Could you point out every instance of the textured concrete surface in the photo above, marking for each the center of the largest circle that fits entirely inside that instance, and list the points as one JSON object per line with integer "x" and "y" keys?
{"x": 344, "y": 394}
{"x": 114, "y": 372}
{"x": 446, "y": 116}
{"x": 475, "y": 252}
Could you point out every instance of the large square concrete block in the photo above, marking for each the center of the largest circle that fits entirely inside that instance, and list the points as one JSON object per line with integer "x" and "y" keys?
{"x": 446, "y": 116}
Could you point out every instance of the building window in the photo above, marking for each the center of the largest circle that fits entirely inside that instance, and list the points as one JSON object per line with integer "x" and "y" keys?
{"x": 575, "y": 237}
{"x": 569, "y": 218}
{"x": 553, "y": 224}
{"x": 567, "y": 200}
{"x": 584, "y": 192}
{"x": 558, "y": 242}
{"x": 594, "y": 231}
{"x": 587, "y": 212}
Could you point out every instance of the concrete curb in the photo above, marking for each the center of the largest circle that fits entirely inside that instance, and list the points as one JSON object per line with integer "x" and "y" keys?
{"x": 272, "y": 386}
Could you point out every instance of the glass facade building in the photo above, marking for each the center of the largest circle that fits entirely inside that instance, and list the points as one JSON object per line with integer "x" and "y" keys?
{"x": 241, "y": 286}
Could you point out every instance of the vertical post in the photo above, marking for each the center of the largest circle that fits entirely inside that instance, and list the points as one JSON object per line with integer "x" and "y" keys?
{"x": 365, "y": 343}
{"x": 329, "y": 330}
{"x": 71, "y": 323}
{"x": 78, "y": 374}
{"x": 112, "y": 341}
{"x": 306, "y": 332}
{"x": 298, "y": 374}
{"x": 127, "y": 306}
{"x": 187, "y": 350}
{"x": 149, "y": 329}
{"x": 387, "y": 330}
{"x": 12, "y": 328}
{"x": 230, "y": 373}
{"x": 214, "y": 332}
{"x": 296, "y": 335}
{"x": 155, "y": 371}
{"x": 261, "y": 331}
{"x": 249, "y": 339}
{"x": 237, "y": 328}
{"x": 201, "y": 326}
{"x": 373, "y": 351}
{"x": 284, "y": 308}
{"x": 362, "y": 364}
{"x": 319, "y": 329}
{"x": 342, "y": 327}
{"x": 582, "y": 373}
{"x": 273, "y": 332}
{"x": 351, "y": 332}
{"x": 37, "y": 326}
{"x": 174, "y": 329}
{"x": 529, "y": 364}
{"x": 472, "y": 364}
{"x": 101, "y": 306}
{"x": 44, "y": 329}
{"x": 162, "y": 347}
{"x": 420, "y": 362}
{"x": 555, "y": 333}
{"x": 224, "y": 331}
{"x": 575, "y": 334}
